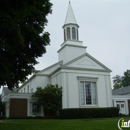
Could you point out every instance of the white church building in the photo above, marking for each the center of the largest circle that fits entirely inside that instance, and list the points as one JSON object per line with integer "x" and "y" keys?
{"x": 86, "y": 82}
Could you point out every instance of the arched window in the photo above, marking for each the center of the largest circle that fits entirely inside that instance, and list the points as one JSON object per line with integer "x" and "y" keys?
{"x": 68, "y": 33}
{"x": 73, "y": 33}
{"x": 64, "y": 35}
{"x": 77, "y": 35}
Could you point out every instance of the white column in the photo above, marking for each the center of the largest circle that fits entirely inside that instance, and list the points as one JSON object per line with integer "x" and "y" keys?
{"x": 64, "y": 89}
{"x": 108, "y": 91}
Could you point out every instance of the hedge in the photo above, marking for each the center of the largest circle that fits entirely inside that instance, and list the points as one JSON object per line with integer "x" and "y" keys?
{"x": 76, "y": 113}
{"x": 2, "y": 117}
{"x": 28, "y": 117}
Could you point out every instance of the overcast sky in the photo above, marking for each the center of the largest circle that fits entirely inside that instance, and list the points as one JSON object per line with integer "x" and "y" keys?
{"x": 104, "y": 29}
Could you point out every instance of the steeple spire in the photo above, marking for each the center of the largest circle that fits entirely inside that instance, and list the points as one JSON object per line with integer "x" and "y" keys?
{"x": 70, "y": 26}
{"x": 71, "y": 47}
{"x": 70, "y": 18}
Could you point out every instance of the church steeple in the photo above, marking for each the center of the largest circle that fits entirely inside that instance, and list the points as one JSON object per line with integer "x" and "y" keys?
{"x": 70, "y": 18}
{"x": 70, "y": 26}
{"x": 71, "y": 48}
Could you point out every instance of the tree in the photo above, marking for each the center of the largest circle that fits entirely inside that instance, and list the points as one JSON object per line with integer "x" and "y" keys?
{"x": 50, "y": 97}
{"x": 126, "y": 79}
{"x": 117, "y": 81}
{"x": 122, "y": 81}
{"x": 22, "y": 38}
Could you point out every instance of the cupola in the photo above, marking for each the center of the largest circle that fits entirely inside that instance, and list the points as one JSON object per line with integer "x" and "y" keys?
{"x": 70, "y": 26}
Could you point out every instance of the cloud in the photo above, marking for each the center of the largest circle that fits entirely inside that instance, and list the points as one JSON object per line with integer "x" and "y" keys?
{"x": 104, "y": 29}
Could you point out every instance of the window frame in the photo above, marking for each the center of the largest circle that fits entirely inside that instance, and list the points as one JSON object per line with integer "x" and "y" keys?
{"x": 64, "y": 35}
{"x": 68, "y": 33}
{"x": 35, "y": 112}
{"x": 31, "y": 90}
{"x": 73, "y": 33}
{"x": 91, "y": 80}
{"x": 77, "y": 35}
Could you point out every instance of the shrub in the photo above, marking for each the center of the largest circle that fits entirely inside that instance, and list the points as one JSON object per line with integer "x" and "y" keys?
{"x": 28, "y": 117}
{"x": 51, "y": 98}
{"x": 2, "y": 117}
{"x": 2, "y": 108}
{"x": 75, "y": 113}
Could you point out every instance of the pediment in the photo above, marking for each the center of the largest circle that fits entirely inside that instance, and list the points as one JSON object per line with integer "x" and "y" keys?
{"x": 86, "y": 61}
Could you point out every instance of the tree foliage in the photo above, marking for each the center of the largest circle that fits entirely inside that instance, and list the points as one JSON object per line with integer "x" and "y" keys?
{"x": 22, "y": 38}
{"x": 117, "y": 81}
{"x": 50, "y": 97}
{"x": 122, "y": 81}
{"x": 0, "y": 105}
{"x": 126, "y": 78}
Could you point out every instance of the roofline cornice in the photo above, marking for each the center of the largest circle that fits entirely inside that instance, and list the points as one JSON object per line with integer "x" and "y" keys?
{"x": 85, "y": 69}
{"x": 55, "y": 71}
{"x": 70, "y": 24}
{"x": 42, "y": 74}
{"x": 71, "y": 46}
{"x": 16, "y": 95}
{"x": 72, "y": 41}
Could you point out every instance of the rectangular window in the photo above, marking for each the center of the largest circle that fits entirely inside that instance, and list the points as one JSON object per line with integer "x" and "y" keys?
{"x": 122, "y": 105}
{"x": 88, "y": 95}
{"x": 32, "y": 90}
{"x": 35, "y": 109}
{"x": 118, "y": 105}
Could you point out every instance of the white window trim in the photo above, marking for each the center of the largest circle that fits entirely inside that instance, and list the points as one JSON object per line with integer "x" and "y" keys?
{"x": 88, "y": 79}
{"x": 34, "y": 113}
{"x": 31, "y": 90}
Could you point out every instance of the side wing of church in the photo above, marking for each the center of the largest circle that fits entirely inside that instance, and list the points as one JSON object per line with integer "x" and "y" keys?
{"x": 85, "y": 81}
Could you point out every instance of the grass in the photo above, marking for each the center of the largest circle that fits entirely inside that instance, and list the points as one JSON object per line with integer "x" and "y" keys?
{"x": 75, "y": 124}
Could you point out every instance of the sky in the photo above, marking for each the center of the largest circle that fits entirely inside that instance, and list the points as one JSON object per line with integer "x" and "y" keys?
{"x": 104, "y": 29}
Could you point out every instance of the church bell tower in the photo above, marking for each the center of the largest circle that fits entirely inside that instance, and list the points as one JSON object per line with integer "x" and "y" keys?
{"x": 70, "y": 26}
{"x": 71, "y": 48}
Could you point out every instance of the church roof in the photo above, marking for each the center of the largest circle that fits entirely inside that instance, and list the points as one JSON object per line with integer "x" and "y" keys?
{"x": 92, "y": 58}
{"x": 121, "y": 91}
{"x": 70, "y": 18}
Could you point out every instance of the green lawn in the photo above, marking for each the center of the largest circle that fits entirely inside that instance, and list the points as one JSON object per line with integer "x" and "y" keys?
{"x": 75, "y": 124}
